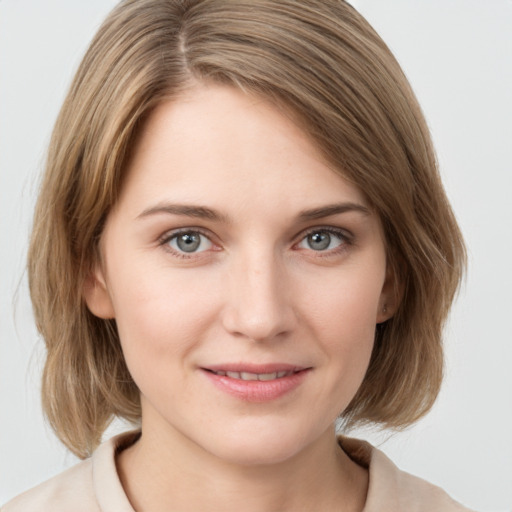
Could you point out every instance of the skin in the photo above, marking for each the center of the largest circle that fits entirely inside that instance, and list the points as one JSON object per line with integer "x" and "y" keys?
{"x": 257, "y": 290}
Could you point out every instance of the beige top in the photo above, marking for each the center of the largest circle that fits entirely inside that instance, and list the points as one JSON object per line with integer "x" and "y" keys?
{"x": 94, "y": 486}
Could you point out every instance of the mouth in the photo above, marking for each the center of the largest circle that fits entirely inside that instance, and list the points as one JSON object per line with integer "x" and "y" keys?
{"x": 257, "y": 383}
{"x": 254, "y": 376}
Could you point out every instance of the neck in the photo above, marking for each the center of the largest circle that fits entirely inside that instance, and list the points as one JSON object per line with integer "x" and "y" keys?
{"x": 170, "y": 472}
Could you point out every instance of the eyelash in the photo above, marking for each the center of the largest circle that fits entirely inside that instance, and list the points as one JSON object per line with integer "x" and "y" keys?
{"x": 170, "y": 235}
{"x": 346, "y": 240}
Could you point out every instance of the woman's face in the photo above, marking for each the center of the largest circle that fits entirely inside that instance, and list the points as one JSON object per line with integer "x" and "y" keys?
{"x": 245, "y": 276}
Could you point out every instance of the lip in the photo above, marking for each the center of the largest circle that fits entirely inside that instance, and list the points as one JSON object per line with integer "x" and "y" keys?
{"x": 254, "y": 368}
{"x": 256, "y": 390}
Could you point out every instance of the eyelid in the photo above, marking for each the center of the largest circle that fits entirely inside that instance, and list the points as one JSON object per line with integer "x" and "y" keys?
{"x": 164, "y": 240}
{"x": 345, "y": 236}
{"x": 341, "y": 232}
{"x": 171, "y": 233}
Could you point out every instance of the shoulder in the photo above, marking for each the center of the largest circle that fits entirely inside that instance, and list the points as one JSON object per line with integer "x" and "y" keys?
{"x": 393, "y": 490}
{"x": 70, "y": 490}
{"x": 92, "y": 485}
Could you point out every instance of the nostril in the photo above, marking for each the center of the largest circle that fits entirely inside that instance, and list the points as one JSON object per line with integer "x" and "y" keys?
{"x": 258, "y": 304}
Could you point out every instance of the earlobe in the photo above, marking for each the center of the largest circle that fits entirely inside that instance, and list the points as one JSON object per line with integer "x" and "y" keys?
{"x": 390, "y": 297}
{"x": 96, "y": 295}
{"x": 384, "y": 313}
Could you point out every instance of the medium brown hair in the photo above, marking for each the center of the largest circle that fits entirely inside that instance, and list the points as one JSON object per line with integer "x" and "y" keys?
{"x": 322, "y": 61}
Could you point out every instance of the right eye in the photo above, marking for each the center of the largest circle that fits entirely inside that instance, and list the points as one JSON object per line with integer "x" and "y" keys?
{"x": 324, "y": 240}
{"x": 187, "y": 242}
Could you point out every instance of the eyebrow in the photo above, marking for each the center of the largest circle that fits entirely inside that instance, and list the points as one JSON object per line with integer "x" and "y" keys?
{"x": 333, "y": 209}
{"x": 198, "y": 212}
{"x": 203, "y": 212}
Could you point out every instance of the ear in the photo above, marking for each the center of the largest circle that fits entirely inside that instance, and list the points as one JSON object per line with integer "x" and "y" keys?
{"x": 96, "y": 294}
{"x": 390, "y": 297}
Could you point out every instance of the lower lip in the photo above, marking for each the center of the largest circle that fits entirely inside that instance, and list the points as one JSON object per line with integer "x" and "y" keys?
{"x": 257, "y": 390}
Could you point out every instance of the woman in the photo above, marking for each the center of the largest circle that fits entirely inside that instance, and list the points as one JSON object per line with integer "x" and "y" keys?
{"x": 237, "y": 241}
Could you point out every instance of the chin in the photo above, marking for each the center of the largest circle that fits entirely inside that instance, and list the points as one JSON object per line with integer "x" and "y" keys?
{"x": 253, "y": 453}
{"x": 260, "y": 446}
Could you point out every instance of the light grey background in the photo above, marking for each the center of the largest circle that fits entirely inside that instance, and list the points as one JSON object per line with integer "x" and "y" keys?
{"x": 458, "y": 56}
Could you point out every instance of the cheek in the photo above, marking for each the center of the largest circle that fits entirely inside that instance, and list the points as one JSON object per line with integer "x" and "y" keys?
{"x": 343, "y": 316}
{"x": 160, "y": 315}
{"x": 348, "y": 302}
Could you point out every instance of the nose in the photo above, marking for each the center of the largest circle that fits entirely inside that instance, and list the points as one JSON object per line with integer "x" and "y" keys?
{"x": 259, "y": 304}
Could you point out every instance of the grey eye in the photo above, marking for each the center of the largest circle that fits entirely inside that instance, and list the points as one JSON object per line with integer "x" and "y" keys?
{"x": 321, "y": 241}
{"x": 190, "y": 241}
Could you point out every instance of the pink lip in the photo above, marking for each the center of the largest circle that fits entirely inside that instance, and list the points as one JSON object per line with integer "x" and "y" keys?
{"x": 254, "y": 368}
{"x": 256, "y": 390}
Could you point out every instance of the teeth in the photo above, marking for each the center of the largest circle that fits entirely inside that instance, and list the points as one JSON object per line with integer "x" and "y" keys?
{"x": 254, "y": 376}
{"x": 248, "y": 376}
{"x": 267, "y": 376}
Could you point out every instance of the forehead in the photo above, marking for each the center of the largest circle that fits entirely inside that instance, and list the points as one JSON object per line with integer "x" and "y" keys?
{"x": 219, "y": 144}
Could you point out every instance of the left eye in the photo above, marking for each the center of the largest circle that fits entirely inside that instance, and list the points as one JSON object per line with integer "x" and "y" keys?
{"x": 189, "y": 242}
{"x": 322, "y": 240}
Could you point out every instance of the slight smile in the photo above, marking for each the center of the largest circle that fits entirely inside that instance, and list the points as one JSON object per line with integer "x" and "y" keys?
{"x": 256, "y": 383}
{"x": 255, "y": 376}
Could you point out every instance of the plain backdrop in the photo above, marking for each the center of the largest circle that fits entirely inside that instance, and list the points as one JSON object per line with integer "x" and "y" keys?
{"x": 458, "y": 56}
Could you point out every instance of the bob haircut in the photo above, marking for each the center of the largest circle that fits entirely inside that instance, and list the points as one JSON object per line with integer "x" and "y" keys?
{"x": 321, "y": 62}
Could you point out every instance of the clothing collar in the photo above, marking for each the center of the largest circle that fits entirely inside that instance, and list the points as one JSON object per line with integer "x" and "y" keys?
{"x": 387, "y": 484}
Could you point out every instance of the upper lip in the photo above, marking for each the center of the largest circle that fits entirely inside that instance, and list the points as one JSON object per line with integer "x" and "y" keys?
{"x": 255, "y": 368}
